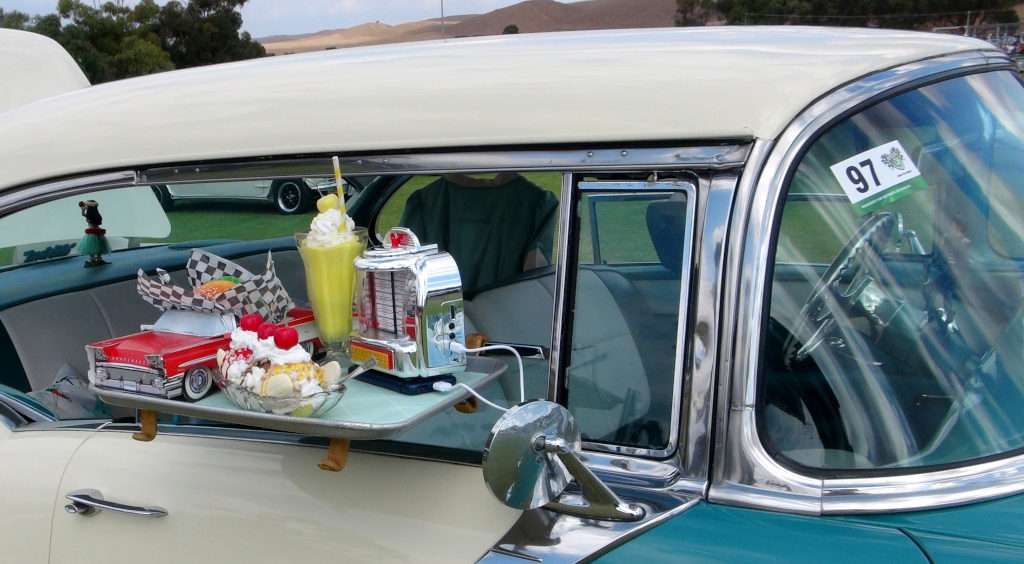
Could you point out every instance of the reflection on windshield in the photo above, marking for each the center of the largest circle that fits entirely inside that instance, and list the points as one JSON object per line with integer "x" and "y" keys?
{"x": 896, "y": 329}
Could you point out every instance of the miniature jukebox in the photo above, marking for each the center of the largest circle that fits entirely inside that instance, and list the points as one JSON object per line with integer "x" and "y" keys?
{"x": 407, "y": 308}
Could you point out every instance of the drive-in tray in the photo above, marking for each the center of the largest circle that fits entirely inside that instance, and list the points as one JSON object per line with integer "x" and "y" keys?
{"x": 364, "y": 412}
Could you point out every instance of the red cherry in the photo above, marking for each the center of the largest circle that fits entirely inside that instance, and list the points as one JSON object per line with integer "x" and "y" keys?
{"x": 250, "y": 322}
{"x": 266, "y": 330}
{"x": 286, "y": 338}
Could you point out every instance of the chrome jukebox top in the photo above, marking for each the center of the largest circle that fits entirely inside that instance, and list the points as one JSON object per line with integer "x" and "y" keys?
{"x": 407, "y": 308}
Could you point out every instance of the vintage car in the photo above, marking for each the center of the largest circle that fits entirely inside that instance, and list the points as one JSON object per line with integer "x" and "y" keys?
{"x": 177, "y": 355}
{"x": 289, "y": 195}
{"x": 771, "y": 281}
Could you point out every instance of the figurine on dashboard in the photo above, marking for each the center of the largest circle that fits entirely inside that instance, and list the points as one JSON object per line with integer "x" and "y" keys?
{"x": 94, "y": 243}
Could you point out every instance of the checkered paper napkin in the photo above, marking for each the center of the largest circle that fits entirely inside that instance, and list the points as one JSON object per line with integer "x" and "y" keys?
{"x": 263, "y": 294}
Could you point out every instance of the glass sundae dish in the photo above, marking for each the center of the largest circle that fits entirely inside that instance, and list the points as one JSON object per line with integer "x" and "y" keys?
{"x": 329, "y": 251}
{"x": 266, "y": 370}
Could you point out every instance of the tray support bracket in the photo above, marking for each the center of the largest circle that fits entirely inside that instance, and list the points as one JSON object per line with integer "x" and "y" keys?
{"x": 147, "y": 426}
{"x": 337, "y": 455}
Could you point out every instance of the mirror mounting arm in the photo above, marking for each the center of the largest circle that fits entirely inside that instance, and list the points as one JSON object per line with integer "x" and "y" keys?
{"x": 600, "y": 502}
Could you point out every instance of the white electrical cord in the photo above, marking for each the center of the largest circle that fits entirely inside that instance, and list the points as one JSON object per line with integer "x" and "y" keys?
{"x": 460, "y": 348}
{"x": 446, "y": 387}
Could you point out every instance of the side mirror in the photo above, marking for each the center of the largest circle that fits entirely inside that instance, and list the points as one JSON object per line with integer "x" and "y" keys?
{"x": 530, "y": 457}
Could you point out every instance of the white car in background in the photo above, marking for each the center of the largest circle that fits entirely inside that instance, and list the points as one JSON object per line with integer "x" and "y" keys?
{"x": 289, "y": 195}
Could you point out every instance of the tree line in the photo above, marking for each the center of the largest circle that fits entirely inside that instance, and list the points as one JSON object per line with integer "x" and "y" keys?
{"x": 113, "y": 41}
{"x": 902, "y": 14}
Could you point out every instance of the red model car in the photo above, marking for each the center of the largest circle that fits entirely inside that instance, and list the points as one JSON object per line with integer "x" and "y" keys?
{"x": 178, "y": 354}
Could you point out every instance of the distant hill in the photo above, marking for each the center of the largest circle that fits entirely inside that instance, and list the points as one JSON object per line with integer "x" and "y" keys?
{"x": 530, "y": 16}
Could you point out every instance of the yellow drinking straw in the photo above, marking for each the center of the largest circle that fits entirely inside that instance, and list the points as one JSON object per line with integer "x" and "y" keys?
{"x": 337, "y": 181}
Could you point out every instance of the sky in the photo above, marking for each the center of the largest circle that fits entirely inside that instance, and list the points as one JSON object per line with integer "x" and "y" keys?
{"x": 273, "y": 17}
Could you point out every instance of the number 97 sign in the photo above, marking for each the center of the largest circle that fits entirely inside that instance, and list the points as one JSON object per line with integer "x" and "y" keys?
{"x": 878, "y": 176}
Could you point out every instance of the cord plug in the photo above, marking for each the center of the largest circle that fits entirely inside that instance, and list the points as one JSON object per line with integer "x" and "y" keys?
{"x": 442, "y": 386}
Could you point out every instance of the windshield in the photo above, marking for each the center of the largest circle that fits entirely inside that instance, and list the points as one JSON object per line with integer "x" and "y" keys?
{"x": 195, "y": 323}
{"x": 896, "y": 335}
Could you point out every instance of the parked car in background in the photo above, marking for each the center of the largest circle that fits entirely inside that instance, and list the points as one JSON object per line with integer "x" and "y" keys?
{"x": 768, "y": 282}
{"x": 288, "y": 195}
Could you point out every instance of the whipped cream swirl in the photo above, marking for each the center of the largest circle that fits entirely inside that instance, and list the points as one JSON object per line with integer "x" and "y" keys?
{"x": 330, "y": 227}
{"x": 266, "y": 350}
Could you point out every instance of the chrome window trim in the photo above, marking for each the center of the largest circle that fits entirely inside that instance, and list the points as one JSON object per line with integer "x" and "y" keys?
{"x": 719, "y": 155}
{"x": 715, "y": 205}
{"x": 686, "y": 186}
{"x": 744, "y": 473}
{"x": 713, "y": 155}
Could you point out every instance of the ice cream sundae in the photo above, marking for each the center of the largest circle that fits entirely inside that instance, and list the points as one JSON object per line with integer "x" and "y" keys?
{"x": 265, "y": 369}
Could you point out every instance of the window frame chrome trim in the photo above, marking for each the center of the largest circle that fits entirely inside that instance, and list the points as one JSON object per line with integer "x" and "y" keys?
{"x": 686, "y": 186}
{"x": 744, "y": 473}
{"x": 722, "y": 155}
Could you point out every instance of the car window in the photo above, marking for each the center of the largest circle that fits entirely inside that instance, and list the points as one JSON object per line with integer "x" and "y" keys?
{"x": 56, "y": 229}
{"x": 200, "y": 324}
{"x": 507, "y": 290}
{"x": 621, "y": 375}
{"x": 141, "y": 216}
{"x": 895, "y": 322}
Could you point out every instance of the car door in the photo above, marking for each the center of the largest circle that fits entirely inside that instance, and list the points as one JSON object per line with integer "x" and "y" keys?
{"x": 235, "y": 499}
{"x": 253, "y": 189}
{"x": 30, "y": 474}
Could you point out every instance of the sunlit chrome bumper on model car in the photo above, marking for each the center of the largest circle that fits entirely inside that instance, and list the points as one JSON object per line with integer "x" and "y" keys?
{"x": 136, "y": 379}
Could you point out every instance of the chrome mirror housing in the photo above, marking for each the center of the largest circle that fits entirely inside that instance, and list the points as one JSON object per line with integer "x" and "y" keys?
{"x": 530, "y": 457}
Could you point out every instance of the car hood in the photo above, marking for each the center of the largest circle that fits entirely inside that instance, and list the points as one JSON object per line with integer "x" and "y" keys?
{"x": 137, "y": 346}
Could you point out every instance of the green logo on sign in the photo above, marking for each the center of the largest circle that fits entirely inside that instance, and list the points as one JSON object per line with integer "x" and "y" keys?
{"x": 894, "y": 159}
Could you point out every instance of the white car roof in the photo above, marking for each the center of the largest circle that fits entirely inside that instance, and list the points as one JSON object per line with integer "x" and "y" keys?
{"x": 576, "y": 87}
{"x": 34, "y": 66}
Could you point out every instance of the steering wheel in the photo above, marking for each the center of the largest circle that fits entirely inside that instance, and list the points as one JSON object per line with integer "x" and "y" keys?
{"x": 840, "y": 288}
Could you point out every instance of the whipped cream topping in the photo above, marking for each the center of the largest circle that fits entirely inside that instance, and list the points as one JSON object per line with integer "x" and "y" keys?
{"x": 330, "y": 227}
{"x": 266, "y": 349}
{"x": 242, "y": 370}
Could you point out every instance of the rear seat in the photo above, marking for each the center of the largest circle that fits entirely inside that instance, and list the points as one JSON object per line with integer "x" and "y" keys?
{"x": 609, "y": 387}
{"x": 51, "y": 333}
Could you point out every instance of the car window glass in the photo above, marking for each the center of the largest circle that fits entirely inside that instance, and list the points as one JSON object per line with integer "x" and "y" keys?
{"x": 621, "y": 373}
{"x": 608, "y": 236}
{"x": 140, "y": 216}
{"x": 895, "y": 321}
{"x": 512, "y": 301}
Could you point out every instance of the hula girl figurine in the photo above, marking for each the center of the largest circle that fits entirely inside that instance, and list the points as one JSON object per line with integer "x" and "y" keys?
{"x": 94, "y": 243}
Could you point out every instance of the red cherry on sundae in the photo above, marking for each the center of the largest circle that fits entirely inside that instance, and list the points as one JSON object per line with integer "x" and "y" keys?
{"x": 286, "y": 338}
{"x": 266, "y": 330}
{"x": 250, "y": 322}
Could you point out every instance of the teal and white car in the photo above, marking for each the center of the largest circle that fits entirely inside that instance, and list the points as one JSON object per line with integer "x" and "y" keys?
{"x": 766, "y": 282}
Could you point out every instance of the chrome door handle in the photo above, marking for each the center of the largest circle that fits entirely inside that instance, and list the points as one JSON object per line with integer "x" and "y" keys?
{"x": 91, "y": 502}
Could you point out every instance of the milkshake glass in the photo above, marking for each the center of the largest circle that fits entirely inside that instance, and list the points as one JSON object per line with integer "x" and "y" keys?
{"x": 330, "y": 276}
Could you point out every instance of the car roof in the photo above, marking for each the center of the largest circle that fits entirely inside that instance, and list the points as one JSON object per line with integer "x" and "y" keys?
{"x": 618, "y": 86}
{"x": 34, "y": 66}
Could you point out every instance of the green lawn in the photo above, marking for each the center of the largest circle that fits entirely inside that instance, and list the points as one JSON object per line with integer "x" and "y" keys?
{"x": 195, "y": 221}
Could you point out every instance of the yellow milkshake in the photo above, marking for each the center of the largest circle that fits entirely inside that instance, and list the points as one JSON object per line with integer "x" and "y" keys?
{"x": 328, "y": 252}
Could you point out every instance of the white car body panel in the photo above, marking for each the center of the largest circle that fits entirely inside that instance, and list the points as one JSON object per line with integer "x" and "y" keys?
{"x": 241, "y": 501}
{"x": 33, "y": 67}
{"x": 33, "y": 463}
{"x": 592, "y": 87}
